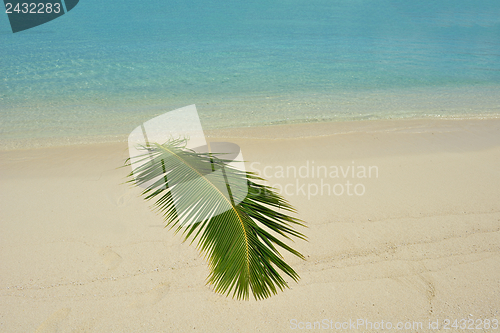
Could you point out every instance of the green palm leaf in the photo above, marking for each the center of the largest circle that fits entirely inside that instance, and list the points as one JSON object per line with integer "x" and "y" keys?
{"x": 237, "y": 226}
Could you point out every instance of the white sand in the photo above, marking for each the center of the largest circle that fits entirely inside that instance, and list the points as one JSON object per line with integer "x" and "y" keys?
{"x": 81, "y": 252}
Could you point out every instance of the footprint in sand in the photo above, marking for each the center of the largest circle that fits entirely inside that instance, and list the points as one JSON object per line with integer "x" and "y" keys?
{"x": 151, "y": 297}
{"x": 119, "y": 200}
{"x": 419, "y": 282}
{"x": 110, "y": 258}
{"x": 51, "y": 324}
{"x": 86, "y": 327}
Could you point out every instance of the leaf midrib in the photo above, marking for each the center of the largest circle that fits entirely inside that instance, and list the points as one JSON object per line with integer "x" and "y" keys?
{"x": 232, "y": 207}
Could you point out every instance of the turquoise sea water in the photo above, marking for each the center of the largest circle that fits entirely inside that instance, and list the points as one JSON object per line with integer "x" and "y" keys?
{"x": 107, "y": 66}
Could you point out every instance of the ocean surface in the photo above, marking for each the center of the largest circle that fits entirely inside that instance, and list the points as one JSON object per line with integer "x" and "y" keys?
{"x": 105, "y": 67}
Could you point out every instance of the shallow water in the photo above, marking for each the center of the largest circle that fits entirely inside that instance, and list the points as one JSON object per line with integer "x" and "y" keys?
{"x": 102, "y": 69}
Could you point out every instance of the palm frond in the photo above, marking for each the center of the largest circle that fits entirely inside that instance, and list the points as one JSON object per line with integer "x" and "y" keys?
{"x": 235, "y": 219}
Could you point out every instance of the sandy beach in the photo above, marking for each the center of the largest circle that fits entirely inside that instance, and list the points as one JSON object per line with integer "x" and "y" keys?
{"x": 411, "y": 236}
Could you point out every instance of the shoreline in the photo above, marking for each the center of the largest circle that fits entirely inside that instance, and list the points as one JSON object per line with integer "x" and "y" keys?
{"x": 92, "y": 123}
{"x": 272, "y": 131}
